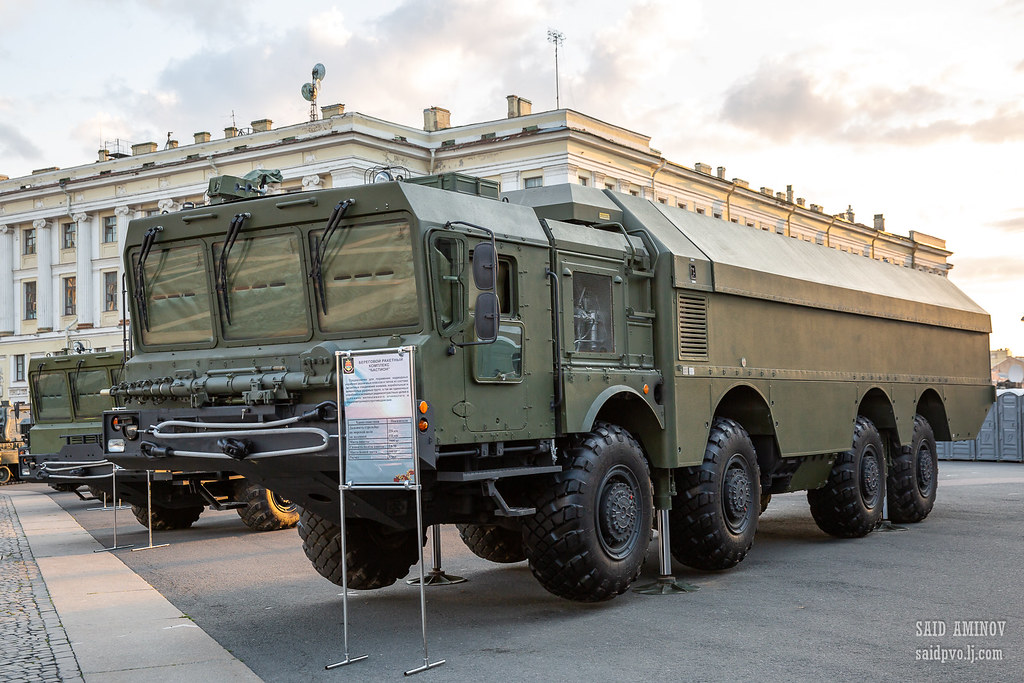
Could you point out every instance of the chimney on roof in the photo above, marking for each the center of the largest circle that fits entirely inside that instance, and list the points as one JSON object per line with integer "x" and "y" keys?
{"x": 721, "y": 172}
{"x": 789, "y": 193}
{"x": 332, "y": 110}
{"x": 880, "y": 222}
{"x": 436, "y": 118}
{"x": 518, "y": 106}
{"x": 143, "y": 148}
{"x": 262, "y": 126}
{"x": 103, "y": 155}
{"x": 702, "y": 168}
{"x": 201, "y": 136}
{"x": 800, "y": 201}
{"x": 231, "y": 132}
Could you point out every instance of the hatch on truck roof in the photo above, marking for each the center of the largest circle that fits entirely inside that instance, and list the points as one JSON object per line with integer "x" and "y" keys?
{"x": 568, "y": 202}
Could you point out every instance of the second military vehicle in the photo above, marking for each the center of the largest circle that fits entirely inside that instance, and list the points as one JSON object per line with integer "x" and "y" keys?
{"x": 584, "y": 361}
{"x": 68, "y": 394}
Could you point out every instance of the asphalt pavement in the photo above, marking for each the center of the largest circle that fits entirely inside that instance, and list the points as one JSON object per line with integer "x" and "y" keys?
{"x": 940, "y": 601}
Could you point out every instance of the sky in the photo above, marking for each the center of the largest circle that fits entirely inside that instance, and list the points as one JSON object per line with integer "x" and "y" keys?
{"x": 909, "y": 109}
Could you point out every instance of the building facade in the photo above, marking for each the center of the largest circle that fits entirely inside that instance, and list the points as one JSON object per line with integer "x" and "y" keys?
{"x": 62, "y": 230}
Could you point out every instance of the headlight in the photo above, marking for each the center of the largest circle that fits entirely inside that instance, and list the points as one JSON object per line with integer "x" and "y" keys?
{"x": 115, "y": 446}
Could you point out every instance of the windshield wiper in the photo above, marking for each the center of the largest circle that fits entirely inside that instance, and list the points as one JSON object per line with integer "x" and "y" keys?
{"x": 221, "y": 273}
{"x": 140, "y": 274}
{"x": 320, "y": 250}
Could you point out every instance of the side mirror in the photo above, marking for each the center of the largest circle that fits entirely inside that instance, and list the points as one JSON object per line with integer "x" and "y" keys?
{"x": 486, "y": 312}
{"x": 484, "y": 260}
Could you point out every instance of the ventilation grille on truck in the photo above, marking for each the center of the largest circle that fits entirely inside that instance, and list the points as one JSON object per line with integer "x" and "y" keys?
{"x": 692, "y": 313}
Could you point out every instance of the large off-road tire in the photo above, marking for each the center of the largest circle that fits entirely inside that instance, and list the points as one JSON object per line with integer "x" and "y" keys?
{"x": 914, "y": 476}
{"x": 493, "y": 543}
{"x": 849, "y": 505}
{"x": 265, "y": 510}
{"x": 5, "y": 474}
{"x": 714, "y": 514}
{"x": 377, "y": 556}
{"x": 64, "y": 488}
{"x": 98, "y": 493}
{"x": 165, "y": 519}
{"x": 590, "y": 534}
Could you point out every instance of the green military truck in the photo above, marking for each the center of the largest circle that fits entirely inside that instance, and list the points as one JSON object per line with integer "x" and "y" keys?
{"x": 68, "y": 394}
{"x": 587, "y": 364}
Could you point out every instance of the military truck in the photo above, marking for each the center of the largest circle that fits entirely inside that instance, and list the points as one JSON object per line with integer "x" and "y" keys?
{"x": 68, "y": 394}
{"x": 11, "y": 439}
{"x": 585, "y": 361}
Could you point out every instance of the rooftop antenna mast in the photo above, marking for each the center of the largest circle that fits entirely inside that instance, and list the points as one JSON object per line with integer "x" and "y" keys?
{"x": 312, "y": 89}
{"x": 557, "y": 37}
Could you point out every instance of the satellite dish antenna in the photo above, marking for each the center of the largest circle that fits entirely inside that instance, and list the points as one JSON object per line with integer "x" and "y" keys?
{"x": 1016, "y": 374}
{"x": 312, "y": 89}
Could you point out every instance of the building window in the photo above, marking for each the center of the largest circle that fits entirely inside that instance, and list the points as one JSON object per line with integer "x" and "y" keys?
{"x": 109, "y": 229}
{"x": 609, "y": 186}
{"x": 717, "y": 214}
{"x": 69, "y": 296}
{"x": 19, "y": 368}
{"x": 584, "y": 181}
{"x": 700, "y": 211}
{"x": 29, "y": 244}
{"x": 536, "y": 181}
{"x": 67, "y": 232}
{"x": 30, "y": 300}
{"x": 110, "y": 291}
{"x": 662, "y": 200}
{"x": 634, "y": 193}
{"x": 681, "y": 205}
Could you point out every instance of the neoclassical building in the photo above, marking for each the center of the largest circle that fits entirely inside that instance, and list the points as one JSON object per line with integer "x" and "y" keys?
{"x": 61, "y": 230}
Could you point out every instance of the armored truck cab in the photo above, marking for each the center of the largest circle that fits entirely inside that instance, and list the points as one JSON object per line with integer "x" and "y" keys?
{"x": 68, "y": 394}
{"x": 584, "y": 360}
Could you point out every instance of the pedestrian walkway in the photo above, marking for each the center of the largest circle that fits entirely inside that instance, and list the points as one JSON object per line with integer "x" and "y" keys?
{"x": 68, "y": 613}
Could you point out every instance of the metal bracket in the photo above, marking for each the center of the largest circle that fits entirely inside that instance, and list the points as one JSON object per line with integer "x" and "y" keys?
{"x": 503, "y": 508}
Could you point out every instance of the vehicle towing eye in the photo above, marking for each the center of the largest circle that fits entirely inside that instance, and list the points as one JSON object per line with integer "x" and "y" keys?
{"x": 234, "y": 448}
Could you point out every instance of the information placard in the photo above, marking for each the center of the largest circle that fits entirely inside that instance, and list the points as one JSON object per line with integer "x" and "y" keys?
{"x": 380, "y": 436}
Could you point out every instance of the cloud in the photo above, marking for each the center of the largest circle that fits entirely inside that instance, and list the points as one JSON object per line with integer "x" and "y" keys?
{"x": 987, "y": 269}
{"x": 1010, "y": 225}
{"x": 13, "y": 143}
{"x": 782, "y": 103}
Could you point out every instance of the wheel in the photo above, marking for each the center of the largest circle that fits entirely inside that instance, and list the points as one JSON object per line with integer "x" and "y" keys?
{"x": 590, "y": 534}
{"x": 165, "y": 519}
{"x": 492, "y": 542}
{"x": 265, "y": 510}
{"x": 849, "y": 505}
{"x": 5, "y": 474}
{"x": 98, "y": 493}
{"x": 64, "y": 488}
{"x": 376, "y": 556}
{"x": 914, "y": 477}
{"x": 714, "y": 514}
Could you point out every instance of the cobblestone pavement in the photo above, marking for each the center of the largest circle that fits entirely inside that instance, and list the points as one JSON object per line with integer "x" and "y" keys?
{"x": 35, "y": 646}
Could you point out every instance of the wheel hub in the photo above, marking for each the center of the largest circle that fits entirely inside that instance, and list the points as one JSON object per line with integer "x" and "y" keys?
{"x": 737, "y": 490}
{"x": 870, "y": 477}
{"x": 618, "y": 514}
{"x": 925, "y": 471}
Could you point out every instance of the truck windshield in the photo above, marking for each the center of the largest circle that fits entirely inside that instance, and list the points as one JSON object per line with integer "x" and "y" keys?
{"x": 177, "y": 296}
{"x": 369, "y": 278}
{"x": 87, "y": 386}
{"x": 266, "y": 288}
{"x": 50, "y": 390}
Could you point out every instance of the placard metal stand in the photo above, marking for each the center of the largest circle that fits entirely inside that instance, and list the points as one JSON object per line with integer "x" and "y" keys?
{"x": 113, "y": 483}
{"x": 379, "y": 451}
{"x": 149, "y": 516}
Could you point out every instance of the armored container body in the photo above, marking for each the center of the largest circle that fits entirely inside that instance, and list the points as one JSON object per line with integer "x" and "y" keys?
{"x": 584, "y": 362}
{"x": 68, "y": 394}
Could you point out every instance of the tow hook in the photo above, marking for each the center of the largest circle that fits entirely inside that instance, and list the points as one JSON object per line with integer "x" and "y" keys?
{"x": 234, "y": 448}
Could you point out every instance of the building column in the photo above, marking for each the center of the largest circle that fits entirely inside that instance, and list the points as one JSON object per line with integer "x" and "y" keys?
{"x": 84, "y": 285}
{"x": 7, "y": 292}
{"x": 44, "y": 278}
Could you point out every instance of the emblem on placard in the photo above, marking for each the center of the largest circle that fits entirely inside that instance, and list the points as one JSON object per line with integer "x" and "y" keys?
{"x": 347, "y": 366}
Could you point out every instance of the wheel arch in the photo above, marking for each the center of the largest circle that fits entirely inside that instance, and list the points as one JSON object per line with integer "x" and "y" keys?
{"x": 876, "y": 405}
{"x": 625, "y": 406}
{"x": 931, "y": 407}
{"x": 751, "y": 409}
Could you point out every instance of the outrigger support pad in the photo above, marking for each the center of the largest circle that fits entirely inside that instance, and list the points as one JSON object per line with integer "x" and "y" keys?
{"x": 666, "y": 583}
